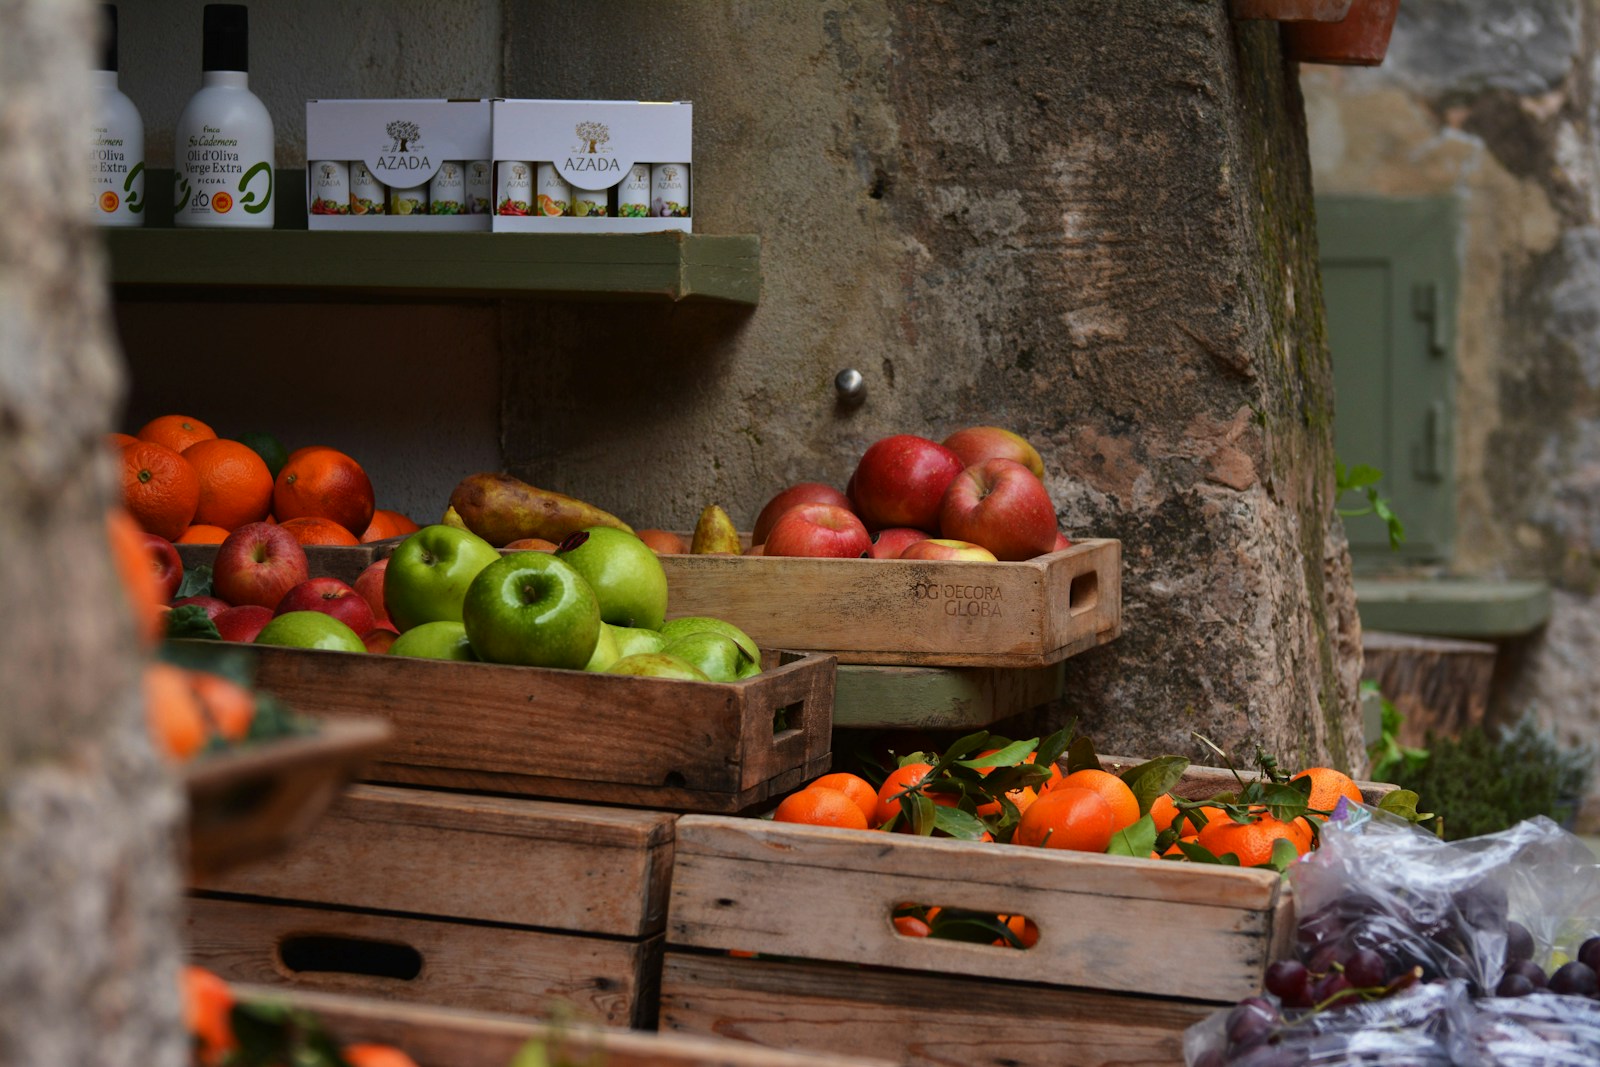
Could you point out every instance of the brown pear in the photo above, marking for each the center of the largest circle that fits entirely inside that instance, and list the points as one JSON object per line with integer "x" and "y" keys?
{"x": 714, "y": 534}
{"x": 501, "y": 509}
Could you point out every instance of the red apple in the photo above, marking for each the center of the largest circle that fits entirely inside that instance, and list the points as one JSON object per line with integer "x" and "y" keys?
{"x": 818, "y": 530}
{"x": 1000, "y": 505}
{"x": 379, "y": 639}
{"x": 888, "y": 544}
{"x": 978, "y": 443}
{"x": 664, "y": 542}
{"x": 166, "y": 562}
{"x": 947, "y": 548}
{"x": 257, "y": 564}
{"x": 804, "y": 493}
{"x": 242, "y": 623}
{"x": 369, "y": 583}
{"x": 901, "y": 480}
{"x": 331, "y": 597}
{"x": 212, "y": 605}
{"x": 1061, "y": 542}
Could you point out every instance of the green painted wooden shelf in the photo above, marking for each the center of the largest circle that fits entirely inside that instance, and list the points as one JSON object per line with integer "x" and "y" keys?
{"x": 1453, "y": 607}
{"x": 299, "y": 264}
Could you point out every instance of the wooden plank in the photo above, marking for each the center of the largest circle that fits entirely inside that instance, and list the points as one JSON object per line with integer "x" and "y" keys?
{"x": 668, "y": 265}
{"x": 492, "y": 968}
{"x": 344, "y": 562}
{"x": 1199, "y": 782}
{"x": 498, "y": 859}
{"x": 922, "y": 1020}
{"x": 940, "y": 698}
{"x": 651, "y": 742}
{"x": 254, "y": 801}
{"x": 1105, "y": 922}
{"x": 912, "y": 612}
{"x": 445, "y": 1037}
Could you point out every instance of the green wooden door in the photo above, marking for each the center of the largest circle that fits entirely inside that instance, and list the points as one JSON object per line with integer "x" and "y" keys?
{"x": 1389, "y": 277}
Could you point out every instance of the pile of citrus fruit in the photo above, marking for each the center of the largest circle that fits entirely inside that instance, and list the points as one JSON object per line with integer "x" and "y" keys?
{"x": 986, "y": 788}
{"x": 184, "y": 483}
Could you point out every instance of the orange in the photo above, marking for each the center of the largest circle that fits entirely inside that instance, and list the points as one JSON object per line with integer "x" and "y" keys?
{"x": 207, "y": 1005}
{"x": 1020, "y": 797}
{"x": 1251, "y": 841}
{"x": 1115, "y": 792}
{"x": 386, "y": 523}
{"x": 911, "y": 926}
{"x": 1162, "y": 811}
{"x": 235, "y": 485}
{"x": 1068, "y": 817}
{"x": 899, "y": 781}
{"x": 1212, "y": 814}
{"x": 227, "y": 706}
{"x": 321, "y": 482}
{"x": 1303, "y": 836}
{"x": 117, "y": 440}
{"x": 373, "y": 1055}
{"x": 200, "y": 534}
{"x": 159, "y": 488}
{"x": 310, "y": 530}
{"x": 1023, "y": 927}
{"x": 816, "y": 806}
{"x": 138, "y": 577}
{"x": 1327, "y": 786}
{"x": 172, "y": 711}
{"x": 856, "y": 788}
{"x": 177, "y": 432}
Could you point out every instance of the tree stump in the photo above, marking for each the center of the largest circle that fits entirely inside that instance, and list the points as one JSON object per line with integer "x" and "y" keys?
{"x": 1439, "y": 685}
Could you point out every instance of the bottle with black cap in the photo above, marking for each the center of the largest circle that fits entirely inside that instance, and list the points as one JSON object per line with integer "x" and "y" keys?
{"x": 224, "y": 147}
{"x": 118, "y": 140}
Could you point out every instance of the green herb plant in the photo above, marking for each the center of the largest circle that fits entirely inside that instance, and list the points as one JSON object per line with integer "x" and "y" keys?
{"x": 1364, "y": 480}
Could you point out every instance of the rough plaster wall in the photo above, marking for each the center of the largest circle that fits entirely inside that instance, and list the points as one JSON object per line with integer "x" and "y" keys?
{"x": 89, "y": 885}
{"x": 302, "y": 49}
{"x": 1495, "y": 103}
{"x": 1088, "y": 222}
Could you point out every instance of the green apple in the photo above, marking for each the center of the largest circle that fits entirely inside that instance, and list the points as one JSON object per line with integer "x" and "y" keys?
{"x": 631, "y": 639}
{"x": 429, "y": 572}
{"x": 717, "y": 655}
{"x": 658, "y": 665}
{"x": 605, "y": 650}
{"x": 624, "y": 573}
{"x": 310, "y": 629}
{"x": 690, "y": 624}
{"x": 532, "y": 609}
{"x": 440, "y": 639}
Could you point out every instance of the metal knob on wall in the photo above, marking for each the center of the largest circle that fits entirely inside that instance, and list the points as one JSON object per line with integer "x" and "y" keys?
{"x": 851, "y": 387}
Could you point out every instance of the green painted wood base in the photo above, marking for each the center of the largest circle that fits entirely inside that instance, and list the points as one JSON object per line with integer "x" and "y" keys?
{"x": 1453, "y": 607}
{"x": 940, "y": 698}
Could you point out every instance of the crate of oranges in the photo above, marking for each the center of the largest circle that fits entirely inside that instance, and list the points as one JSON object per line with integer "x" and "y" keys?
{"x": 1009, "y": 912}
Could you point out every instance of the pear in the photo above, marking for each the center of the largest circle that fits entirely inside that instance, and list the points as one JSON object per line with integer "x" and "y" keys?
{"x": 501, "y": 509}
{"x": 714, "y": 534}
{"x": 631, "y": 639}
{"x": 452, "y": 517}
{"x": 658, "y": 665}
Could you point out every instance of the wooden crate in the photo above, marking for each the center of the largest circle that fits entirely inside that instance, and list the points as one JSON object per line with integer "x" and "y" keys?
{"x": 912, "y": 612}
{"x": 650, "y": 742}
{"x": 345, "y": 562}
{"x": 495, "y": 903}
{"x": 439, "y": 1037}
{"x": 940, "y": 698}
{"x": 1130, "y": 952}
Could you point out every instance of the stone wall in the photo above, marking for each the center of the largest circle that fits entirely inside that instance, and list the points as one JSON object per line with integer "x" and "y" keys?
{"x": 1087, "y": 221}
{"x": 1494, "y": 102}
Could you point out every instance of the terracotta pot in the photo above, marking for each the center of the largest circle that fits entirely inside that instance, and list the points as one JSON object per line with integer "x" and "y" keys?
{"x": 1291, "y": 10}
{"x": 1360, "y": 40}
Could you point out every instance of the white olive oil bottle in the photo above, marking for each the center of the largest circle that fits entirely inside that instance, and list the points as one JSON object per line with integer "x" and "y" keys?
{"x": 224, "y": 147}
{"x": 118, "y": 141}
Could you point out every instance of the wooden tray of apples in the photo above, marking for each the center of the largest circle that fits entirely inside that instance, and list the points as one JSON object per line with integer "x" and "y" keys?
{"x": 965, "y": 566}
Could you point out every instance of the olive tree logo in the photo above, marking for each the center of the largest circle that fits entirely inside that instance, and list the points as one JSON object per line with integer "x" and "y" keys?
{"x": 519, "y": 173}
{"x": 404, "y": 135}
{"x": 594, "y": 135}
{"x": 329, "y": 172}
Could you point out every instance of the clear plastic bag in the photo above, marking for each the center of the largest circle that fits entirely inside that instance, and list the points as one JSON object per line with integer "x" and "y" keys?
{"x": 1385, "y": 906}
